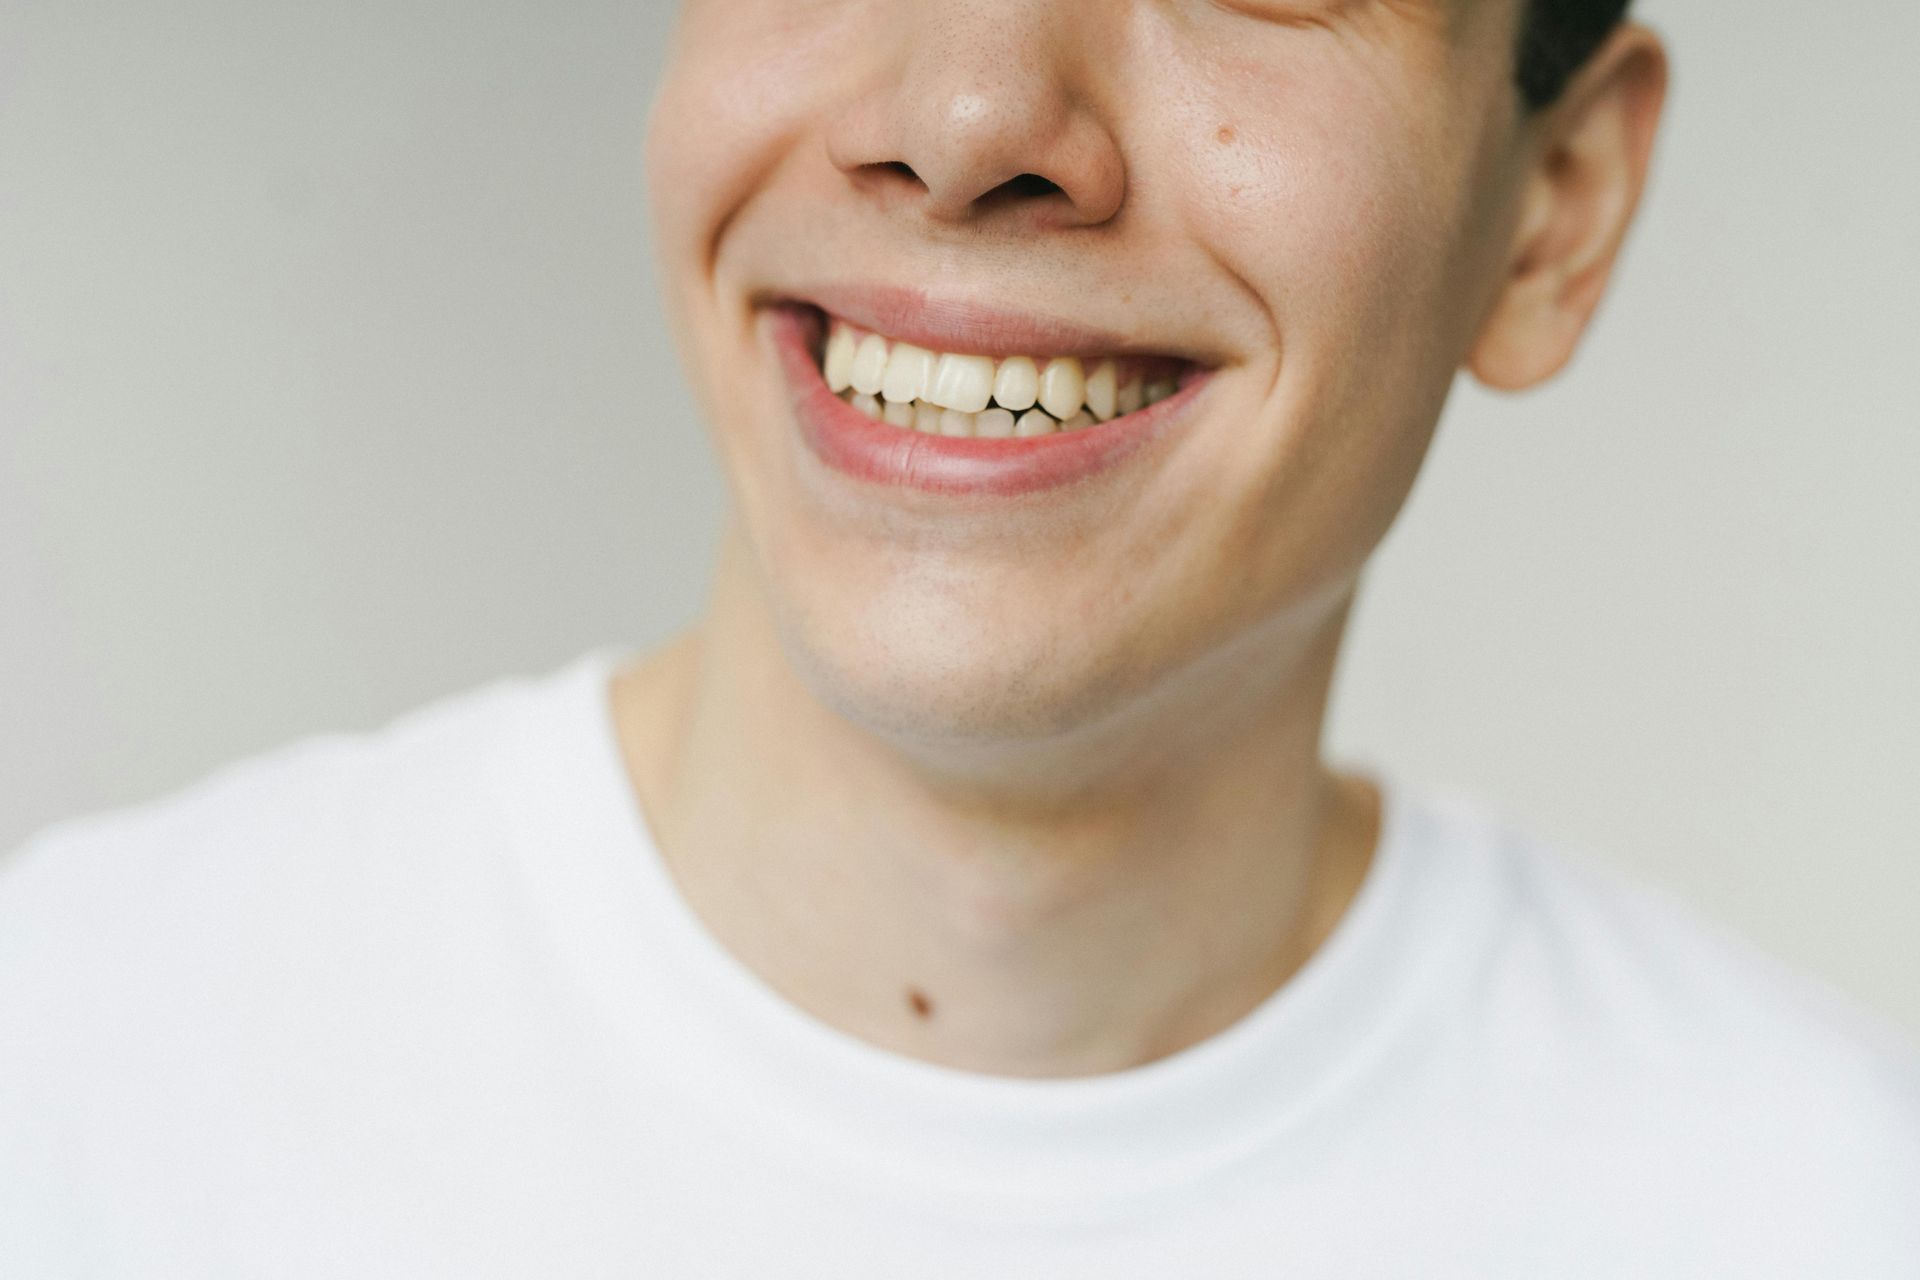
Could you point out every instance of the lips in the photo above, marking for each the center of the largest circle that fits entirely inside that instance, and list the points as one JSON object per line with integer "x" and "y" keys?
{"x": 958, "y": 412}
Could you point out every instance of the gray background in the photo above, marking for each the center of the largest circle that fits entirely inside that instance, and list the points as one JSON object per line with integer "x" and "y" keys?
{"x": 331, "y": 381}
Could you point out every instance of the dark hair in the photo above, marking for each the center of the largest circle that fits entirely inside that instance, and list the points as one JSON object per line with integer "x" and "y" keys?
{"x": 1557, "y": 38}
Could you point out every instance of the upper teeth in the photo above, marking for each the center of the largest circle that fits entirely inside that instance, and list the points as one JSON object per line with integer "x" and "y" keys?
{"x": 960, "y": 395}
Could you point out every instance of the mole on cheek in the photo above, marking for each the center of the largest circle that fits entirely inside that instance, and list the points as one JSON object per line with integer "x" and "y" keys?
{"x": 917, "y": 999}
{"x": 1225, "y": 134}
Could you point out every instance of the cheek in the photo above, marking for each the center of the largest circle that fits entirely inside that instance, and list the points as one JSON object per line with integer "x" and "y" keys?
{"x": 1322, "y": 168}
{"x": 744, "y": 78}
{"x": 1326, "y": 208}
{"x": 1339, "y": 210}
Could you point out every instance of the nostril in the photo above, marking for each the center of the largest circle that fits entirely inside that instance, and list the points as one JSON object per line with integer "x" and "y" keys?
{"x": 895, "y": 169}
{"x": 1030, "y": 186}
{"x": 900, "y": 179}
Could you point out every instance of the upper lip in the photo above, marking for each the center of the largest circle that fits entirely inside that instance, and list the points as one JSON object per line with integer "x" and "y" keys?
{"x": 963, "y": 326}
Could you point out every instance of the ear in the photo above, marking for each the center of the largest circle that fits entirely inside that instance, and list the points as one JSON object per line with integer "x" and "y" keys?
{"x": 1587, "y": 168}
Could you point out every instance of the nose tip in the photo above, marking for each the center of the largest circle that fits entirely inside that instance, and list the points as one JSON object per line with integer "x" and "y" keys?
{"x": 995, "y": 134}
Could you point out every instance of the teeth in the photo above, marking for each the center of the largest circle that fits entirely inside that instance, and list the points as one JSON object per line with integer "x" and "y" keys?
{"x": 839, "y": 363}
{"x": 869, "y": 365}
{"x": 1103, "y": 390}
{"x": 1063, "y": 388}
{"x": 997, "y": 423}
{"x": 908, "y": 369}
{"x": 936, "y": 393}
{"x": 963, "y": 383}
{"x": 1017, "y": 385}
{"x": 1034, "y": 422}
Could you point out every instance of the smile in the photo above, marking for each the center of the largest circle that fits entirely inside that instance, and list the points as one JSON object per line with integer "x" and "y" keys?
{"x": 911, "y": 410}
{"x": 954, "y": 395}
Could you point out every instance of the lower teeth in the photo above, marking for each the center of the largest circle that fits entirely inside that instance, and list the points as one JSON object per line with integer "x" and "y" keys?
{"x": 990, "y": 423}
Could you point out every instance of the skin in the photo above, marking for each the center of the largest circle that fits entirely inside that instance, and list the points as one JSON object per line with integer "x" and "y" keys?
{"x": 1033, "y": 786}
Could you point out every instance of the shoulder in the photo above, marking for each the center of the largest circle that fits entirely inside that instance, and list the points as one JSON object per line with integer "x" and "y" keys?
{"x": 275, "y": 800}
{"x": 316, "y": 934}
{"x": 1716, "y": 1071}
{"x": 303, "y": 837}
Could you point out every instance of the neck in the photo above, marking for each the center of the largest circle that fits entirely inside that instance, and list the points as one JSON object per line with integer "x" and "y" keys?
{"x": 959, "y": 918}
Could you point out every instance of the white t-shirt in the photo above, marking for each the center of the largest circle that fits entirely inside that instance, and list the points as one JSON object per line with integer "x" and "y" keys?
{"x": 426, "y": 1003}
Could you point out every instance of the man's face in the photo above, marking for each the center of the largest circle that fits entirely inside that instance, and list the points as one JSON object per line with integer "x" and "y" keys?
{"x": 1295, "y": 213}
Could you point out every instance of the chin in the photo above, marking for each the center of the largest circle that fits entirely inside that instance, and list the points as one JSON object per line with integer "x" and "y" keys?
{"x": 949, "y": 676}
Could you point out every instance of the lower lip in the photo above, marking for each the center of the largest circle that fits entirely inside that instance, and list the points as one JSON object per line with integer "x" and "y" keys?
{"x": 866, "y": 449}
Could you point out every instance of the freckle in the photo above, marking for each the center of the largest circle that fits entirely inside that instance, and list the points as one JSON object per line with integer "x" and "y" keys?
{"x": 922, "y": 1007}
{"x": 1226, "y": 133}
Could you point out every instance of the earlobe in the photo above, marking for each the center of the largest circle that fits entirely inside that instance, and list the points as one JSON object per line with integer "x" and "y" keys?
{"x": 1522, "y": 340}
{"x": 1589, "y": 170}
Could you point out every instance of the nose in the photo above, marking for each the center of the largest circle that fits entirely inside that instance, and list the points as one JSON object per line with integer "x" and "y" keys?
{"x": 977, "y": 111}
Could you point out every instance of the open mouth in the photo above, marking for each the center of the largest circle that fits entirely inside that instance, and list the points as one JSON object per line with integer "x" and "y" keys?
{"x": 982, "y": 396}
{"x": 898, "y": 409}
{"x": 1014, "y": 396}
